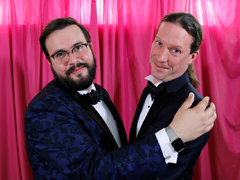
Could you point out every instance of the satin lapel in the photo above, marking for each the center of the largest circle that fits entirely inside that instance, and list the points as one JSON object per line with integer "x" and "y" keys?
{"x": 95, "y": 115}
{"x": 132, "y": 134}
{"x": 170, "y": 89}
{"x": 120, "y": 126}
{"x": 159, "y": 102}
{"x": 116, "y": 116}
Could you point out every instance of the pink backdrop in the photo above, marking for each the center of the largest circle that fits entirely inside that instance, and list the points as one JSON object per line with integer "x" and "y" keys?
{"x": 122, "y": 32}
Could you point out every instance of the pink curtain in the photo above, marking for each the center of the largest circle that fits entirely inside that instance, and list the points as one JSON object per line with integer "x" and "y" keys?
{"x": 122, "y": 32}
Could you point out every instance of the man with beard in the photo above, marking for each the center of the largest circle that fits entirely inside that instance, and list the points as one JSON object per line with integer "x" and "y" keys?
{"x": 73, "y": 130}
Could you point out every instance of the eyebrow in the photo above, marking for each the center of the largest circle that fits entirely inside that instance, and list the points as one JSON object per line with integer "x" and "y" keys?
{"x": 172, "y": 46}
{"x": 177, "y": 47}
{"x": 75, "y": 44}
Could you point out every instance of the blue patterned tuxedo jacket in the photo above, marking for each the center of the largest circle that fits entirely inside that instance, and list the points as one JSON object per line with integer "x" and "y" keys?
{"x": 160, "y": 115}
{"x": 67, "y": 139}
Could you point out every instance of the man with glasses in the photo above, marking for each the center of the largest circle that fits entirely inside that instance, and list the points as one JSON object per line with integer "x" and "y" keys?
{"x": 73, "y": 130}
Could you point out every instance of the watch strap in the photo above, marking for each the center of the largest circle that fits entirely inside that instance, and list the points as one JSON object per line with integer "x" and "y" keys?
{"x": 171, "y": 134}
{"x": 176, "y": 141}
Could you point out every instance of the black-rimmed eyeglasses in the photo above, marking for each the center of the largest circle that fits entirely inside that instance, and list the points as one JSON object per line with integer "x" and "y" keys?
{"x": 61, "y": 57}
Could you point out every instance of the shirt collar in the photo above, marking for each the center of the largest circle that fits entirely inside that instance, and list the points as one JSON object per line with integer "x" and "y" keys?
{"x": 151, "y": 79}
{"x": 82, "y": 92}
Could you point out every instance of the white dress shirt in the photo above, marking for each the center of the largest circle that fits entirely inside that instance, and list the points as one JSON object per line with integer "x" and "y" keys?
{"x": 168, "y": 151}
{"x": 106, "y": 115}
{"x": 163, "y": 140}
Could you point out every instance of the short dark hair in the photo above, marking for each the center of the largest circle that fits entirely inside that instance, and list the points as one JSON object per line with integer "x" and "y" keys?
{"x": 58, "y": 24}
{"x": 190, "y": 24}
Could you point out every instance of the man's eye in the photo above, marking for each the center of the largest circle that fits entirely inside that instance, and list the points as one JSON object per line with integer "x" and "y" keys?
{"x": 78, "y": 48}
{"x": 60, "y": 55}
{"x": 175, "y": 51}
{"x": 158, "y": 43}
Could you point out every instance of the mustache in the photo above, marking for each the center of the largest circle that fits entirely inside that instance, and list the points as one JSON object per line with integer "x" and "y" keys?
{"x": 72, "y": 68}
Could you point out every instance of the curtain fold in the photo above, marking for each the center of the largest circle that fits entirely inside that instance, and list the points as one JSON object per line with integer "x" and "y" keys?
{"x": 122, "y": 33}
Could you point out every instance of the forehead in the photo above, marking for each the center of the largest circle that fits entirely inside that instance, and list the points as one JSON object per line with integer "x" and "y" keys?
{"x": 174, "y": 34}
{"x": 64, "y": 38}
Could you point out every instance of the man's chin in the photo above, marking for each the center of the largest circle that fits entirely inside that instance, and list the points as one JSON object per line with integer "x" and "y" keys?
{"x": 75, "y": 78}
{"x": 74, "y": 82}
{"x": 80, "y": 82}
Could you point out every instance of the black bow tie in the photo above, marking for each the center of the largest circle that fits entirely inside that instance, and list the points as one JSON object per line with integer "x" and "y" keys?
{"x": 94, "y": 96}
{"x": 153, "y": 90}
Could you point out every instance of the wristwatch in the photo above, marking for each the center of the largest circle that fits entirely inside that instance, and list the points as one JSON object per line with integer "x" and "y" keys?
{"x": 176, "y": 141}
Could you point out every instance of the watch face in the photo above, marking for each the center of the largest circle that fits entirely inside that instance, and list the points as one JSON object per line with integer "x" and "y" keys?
{"x": 178, "y": 145}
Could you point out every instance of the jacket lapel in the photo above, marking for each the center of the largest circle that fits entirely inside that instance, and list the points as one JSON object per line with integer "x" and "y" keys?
{"x": 116, "y": 116}
{"x": 95, "y": 115}
{"x": 169, "y": 89}
{"x": 132, "y": 134}
{"x": 158, "y": 104}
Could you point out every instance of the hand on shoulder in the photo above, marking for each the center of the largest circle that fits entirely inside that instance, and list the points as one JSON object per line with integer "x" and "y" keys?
{"x": 190, "y": 123}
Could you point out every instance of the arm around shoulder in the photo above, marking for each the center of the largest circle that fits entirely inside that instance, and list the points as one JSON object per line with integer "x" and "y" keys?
{"x": 60, "y": 147}
{"x": 183, "y": 124}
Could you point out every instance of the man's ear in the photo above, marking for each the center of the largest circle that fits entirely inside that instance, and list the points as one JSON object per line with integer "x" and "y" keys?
{"x": 193, "y": 57}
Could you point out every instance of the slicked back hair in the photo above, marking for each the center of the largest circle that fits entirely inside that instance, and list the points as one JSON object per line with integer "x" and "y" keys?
{"x": 191, "y": 25}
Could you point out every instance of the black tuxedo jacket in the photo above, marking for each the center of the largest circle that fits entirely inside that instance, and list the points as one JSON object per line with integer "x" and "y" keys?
{"x": 66, "y": 138}
{"x": 160, "y": 115}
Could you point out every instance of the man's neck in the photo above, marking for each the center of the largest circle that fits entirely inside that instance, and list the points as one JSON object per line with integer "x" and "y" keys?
{"x": 85, "y": 91}
{"x": 89, "y": 88}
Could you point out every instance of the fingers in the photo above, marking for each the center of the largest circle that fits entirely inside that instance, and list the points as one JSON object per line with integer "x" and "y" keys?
{"x": 211, "y": 111}
{"x": 202, "y": 105}
{"x": 214, "y": 115}
{"x": 211, "y": 116}
{"x": 188, "y": 102}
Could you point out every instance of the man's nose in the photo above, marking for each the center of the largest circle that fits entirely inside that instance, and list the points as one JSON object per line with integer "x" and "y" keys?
{"x": 72, "y": 59}
{"x": 163, "y": 55}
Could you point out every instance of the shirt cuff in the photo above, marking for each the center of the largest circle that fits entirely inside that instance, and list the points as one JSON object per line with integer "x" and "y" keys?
{"x": 168, "y": 151}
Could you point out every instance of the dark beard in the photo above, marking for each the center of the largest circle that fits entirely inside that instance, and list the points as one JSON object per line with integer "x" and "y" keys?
{"x": 69, "y": 84}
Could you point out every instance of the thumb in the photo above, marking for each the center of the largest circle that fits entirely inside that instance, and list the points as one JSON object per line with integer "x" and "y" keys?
{"x": 188, "y": 102}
